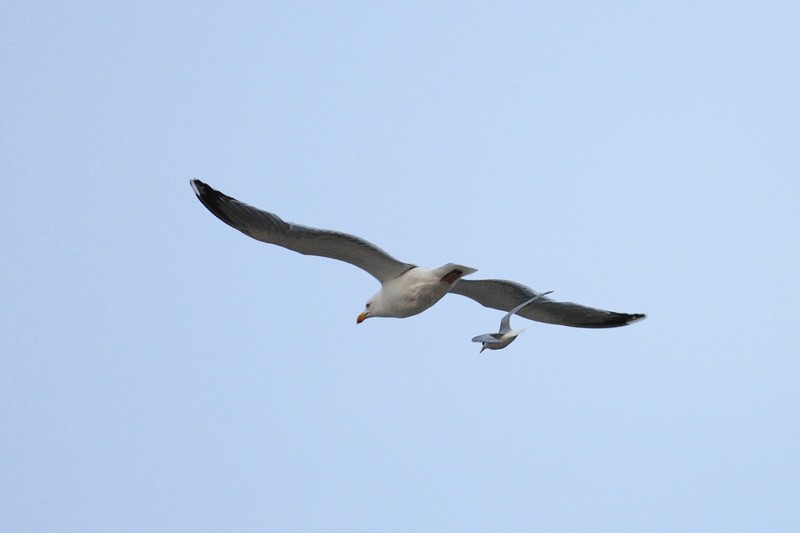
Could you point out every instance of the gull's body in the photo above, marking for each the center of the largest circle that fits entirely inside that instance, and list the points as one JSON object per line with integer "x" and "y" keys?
{"x": 414, "y": 291}
{"x": 506, "y": 335}
{"x": 406, "y": 289}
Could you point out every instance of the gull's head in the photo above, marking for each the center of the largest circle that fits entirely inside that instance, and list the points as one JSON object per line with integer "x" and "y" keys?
{"x": 378, "y": 305}
{"x": 373, "y": 308}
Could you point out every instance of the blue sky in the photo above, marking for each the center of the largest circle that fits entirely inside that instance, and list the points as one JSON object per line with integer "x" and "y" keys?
{"x": 163, "y": 372}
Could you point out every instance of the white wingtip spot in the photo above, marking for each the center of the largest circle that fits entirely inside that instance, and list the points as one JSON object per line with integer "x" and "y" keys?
{"x": 638, "y": 319}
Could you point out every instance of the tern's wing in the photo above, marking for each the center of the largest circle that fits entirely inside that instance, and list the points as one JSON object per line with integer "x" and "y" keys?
{"x": 504, "y": 295}
{"x": 488, "y": 338}
{"x": 505, "y": 322}
{"x": 270, "y": 228}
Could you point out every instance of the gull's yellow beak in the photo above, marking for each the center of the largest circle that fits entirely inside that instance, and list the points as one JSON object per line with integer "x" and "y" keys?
{"x": 362, "y": 317}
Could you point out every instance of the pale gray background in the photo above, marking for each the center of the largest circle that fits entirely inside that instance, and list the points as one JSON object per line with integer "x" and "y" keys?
{"x": 163, "y": 372}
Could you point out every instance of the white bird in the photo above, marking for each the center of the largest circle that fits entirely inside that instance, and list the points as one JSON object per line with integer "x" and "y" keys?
{"x": 406, "y": 289}
{"x": 506, "y": 335}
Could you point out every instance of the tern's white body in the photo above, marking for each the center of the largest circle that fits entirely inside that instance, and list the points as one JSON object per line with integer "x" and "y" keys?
{"x": 506, "y": 335}
{"x": 498, "y": 341}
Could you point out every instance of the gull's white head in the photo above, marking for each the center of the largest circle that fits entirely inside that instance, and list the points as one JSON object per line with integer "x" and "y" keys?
{"x": 373, "y": 308}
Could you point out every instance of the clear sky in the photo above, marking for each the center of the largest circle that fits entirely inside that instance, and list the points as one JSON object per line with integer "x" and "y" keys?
{"x": 163, "y": 372}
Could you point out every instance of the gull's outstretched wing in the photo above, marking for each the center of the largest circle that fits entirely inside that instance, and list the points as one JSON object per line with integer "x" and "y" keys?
{"x": 504, "y": 295}
{"x": 505, "y": 322}
{"x": 270, "y": 228}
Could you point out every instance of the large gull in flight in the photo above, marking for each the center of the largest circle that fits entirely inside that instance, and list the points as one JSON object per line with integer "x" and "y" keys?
{"x": 406, "y": 289}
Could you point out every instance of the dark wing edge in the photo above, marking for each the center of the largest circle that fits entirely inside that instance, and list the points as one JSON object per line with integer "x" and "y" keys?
{"x": 270, "y": 228}
{"x": 505, "y": 295}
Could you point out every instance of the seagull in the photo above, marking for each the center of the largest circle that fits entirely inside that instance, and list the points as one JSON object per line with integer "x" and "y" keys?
{"x": 406, "y": 289}
{"x": 506, "y": 335}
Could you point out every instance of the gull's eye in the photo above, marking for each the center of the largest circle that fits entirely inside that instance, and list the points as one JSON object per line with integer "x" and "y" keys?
{"x": 368, "y": 304}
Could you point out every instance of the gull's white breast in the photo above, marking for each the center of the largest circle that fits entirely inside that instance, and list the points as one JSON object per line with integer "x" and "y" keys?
{"x": 414, "y": 292}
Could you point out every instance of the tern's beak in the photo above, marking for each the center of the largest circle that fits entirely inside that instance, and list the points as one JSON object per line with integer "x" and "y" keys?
{"x": 483, "y": 348}
{"x": 362, "y": 317}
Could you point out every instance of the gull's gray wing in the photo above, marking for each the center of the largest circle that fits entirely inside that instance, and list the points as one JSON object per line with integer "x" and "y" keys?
{"x": 488, "y": 338}
{"x": 270, "y": 228}
{"x": 505, "y": 322}
{"x": 503, "y": 295}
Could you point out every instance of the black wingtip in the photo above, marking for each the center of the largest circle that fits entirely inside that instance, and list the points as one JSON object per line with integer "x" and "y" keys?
{"x": 622, "y": 319}
{"x": 201, "y": 189}
{"x": 212, "y": 199}
{"x": 614, "y": 320}
{"x": 636, "y": 317}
